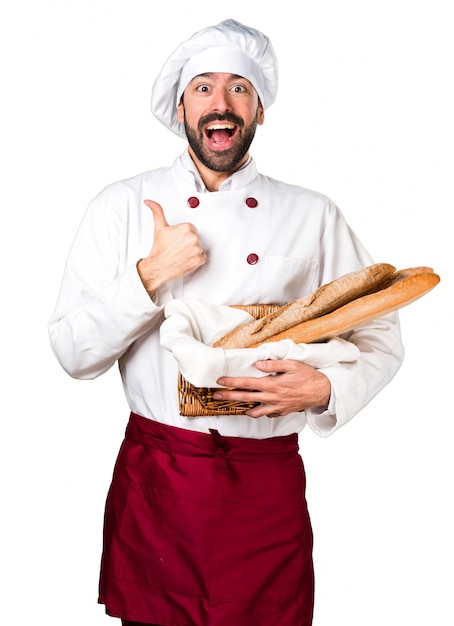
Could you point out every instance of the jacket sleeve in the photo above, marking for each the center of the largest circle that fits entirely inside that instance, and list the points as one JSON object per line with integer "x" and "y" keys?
{"x": 353, "y": 385}
{"x": 102, "y": 307}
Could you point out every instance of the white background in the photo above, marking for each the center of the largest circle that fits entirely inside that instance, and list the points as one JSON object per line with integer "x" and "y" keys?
{"x": 364, "y": 115}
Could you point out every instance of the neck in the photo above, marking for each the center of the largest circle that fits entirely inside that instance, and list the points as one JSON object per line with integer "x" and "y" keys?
{"x": 212, "y": 179}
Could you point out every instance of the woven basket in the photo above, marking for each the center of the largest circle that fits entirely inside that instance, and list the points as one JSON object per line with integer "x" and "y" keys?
{"x": 199, "y": 401}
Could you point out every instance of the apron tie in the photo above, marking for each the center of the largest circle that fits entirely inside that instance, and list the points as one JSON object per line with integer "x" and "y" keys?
{"x": 220, "y": 451}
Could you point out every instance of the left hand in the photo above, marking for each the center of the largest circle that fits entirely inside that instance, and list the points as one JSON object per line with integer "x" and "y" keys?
{"x": 291, "y": 386}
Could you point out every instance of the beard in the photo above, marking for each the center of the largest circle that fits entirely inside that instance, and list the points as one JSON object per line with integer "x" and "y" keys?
{"x": 221, "y": 160}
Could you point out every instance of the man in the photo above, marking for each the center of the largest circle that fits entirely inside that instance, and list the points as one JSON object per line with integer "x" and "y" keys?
{"x": 206, "y": 520}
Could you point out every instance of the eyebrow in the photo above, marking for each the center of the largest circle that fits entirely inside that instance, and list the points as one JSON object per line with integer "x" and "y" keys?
{"x": 211, "y": 74}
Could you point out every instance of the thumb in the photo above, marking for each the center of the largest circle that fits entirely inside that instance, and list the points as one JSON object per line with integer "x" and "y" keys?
{"x": 158, "y": 214}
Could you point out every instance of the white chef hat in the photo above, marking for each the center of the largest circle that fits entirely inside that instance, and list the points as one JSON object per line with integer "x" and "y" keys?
{"x": 227, "y": 47}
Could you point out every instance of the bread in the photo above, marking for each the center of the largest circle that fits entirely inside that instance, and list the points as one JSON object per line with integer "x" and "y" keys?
{"x": 404, "y": 287}
{"x": 325, "y": 299}
{"x": 336, "y": 307}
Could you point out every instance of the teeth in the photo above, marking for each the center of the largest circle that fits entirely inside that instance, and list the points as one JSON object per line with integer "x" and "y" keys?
{"x": 221, "y": 127}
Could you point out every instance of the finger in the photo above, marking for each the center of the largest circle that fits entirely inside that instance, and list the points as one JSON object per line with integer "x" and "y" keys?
{"x": 242, "y": 395}
{"x": 273, "y": 366}
{"x": 158, "y": 214}
{"x": 240, "y": 382}
{"x": 263, "y": 409}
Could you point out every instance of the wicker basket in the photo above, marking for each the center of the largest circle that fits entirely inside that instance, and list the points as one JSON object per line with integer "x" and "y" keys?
{"x": 199, "y": 401}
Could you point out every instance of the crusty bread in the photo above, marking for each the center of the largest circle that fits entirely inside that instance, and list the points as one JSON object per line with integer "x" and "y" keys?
{"x": 404, "y": 287}
{"x": 325, "y": 299}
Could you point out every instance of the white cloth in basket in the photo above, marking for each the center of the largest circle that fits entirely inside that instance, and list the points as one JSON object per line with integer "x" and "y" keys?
{"x": 191, "y": 327}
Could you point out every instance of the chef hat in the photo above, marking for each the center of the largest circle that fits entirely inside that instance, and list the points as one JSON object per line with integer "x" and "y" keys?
{"x": 227, "y": 47}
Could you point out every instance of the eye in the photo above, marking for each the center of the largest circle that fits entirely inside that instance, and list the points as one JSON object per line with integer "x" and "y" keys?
{"x": 239, "y": 88}
{"x": 203, "y": 88}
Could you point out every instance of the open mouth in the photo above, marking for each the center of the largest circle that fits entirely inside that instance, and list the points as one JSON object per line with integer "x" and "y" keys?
{"x": 220, "y": 133}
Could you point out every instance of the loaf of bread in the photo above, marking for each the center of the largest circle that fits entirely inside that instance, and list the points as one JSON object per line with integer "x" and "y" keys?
{"x": 406, "y": 287}
{"x": 325, "y": 299}
{"x": 341, "y": 307}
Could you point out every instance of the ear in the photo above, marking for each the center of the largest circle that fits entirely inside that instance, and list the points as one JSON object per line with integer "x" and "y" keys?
{"x": 260, "y": 114}
{"x": 180, "y": 112}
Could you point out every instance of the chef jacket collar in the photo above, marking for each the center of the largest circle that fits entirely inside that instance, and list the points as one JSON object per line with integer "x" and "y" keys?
{"x": 242, "y": 177}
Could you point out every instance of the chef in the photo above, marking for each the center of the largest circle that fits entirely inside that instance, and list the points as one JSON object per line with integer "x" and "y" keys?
{"x": 206, "y": 520}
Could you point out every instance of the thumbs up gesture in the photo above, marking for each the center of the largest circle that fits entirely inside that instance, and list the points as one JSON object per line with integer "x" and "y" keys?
{"x": 176, "y": 251}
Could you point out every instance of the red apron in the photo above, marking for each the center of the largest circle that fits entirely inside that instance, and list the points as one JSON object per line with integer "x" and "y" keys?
{"x": 206, "y": 530}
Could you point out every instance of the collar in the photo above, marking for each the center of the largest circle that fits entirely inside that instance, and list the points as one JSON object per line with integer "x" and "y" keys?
{"x": 242, "y": 177}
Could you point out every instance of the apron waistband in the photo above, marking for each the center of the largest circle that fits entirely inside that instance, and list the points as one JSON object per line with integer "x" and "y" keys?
{"x": 194, "y": 443}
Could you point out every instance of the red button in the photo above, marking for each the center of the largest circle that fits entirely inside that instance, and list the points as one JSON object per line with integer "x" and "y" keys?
{"x": 251, "y": 202}
{"x": 193, "y": 202}
{"x": 252, "y": 259}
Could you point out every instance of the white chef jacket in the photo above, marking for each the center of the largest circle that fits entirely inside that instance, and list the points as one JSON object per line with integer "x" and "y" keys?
{"x": 279, "y": 248}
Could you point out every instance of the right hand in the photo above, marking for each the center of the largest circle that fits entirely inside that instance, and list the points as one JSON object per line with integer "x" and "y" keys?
{"x": 176, "y": 251}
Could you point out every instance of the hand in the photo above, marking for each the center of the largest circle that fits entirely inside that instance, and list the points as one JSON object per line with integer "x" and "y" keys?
{"x": 290, "y": 387}
{"x": 176, "y": 251}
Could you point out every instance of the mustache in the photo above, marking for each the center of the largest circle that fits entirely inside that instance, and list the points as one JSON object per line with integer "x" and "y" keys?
{"x": 218, "y": 117}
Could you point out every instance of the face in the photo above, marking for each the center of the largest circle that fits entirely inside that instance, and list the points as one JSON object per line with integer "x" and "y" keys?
{"x": 220, "y": 113}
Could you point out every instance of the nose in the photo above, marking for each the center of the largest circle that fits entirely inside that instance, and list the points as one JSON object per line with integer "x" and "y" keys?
{"x": 221, "y": 101}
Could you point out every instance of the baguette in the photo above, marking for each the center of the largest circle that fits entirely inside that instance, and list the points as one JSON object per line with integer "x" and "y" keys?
{"x": 325, "y": 299}
{"x": 403, "y": 288}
